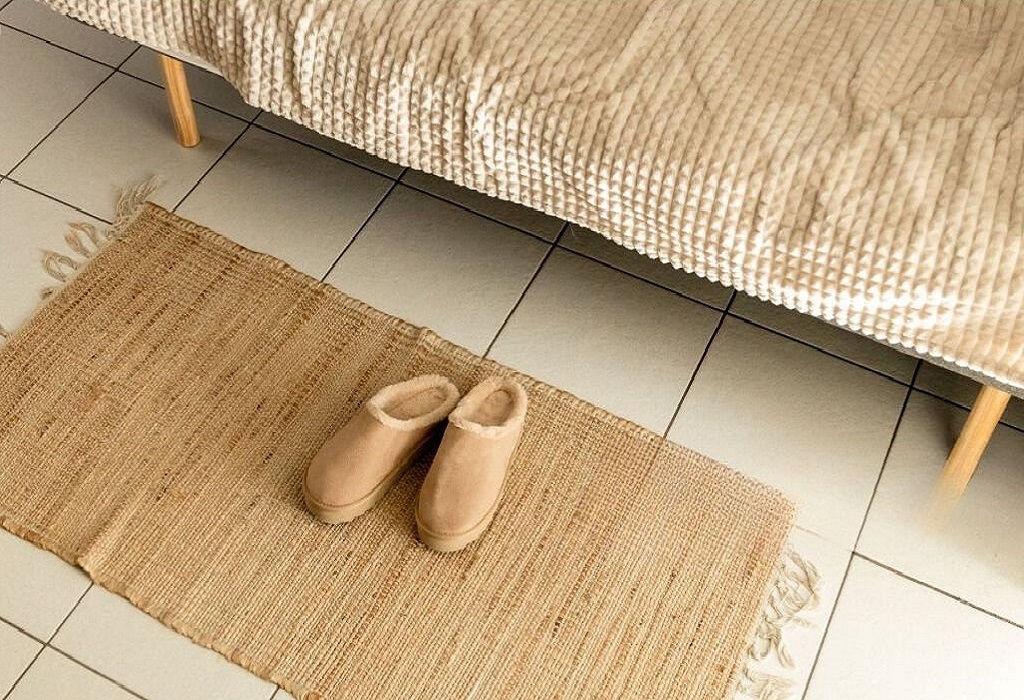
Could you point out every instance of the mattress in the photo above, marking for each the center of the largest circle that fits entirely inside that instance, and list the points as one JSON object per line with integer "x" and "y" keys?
{"x": 857, "y": 161}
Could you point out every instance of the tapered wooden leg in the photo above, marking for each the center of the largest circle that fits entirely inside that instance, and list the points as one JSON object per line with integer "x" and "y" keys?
{"x": 963, "y": 460}
{"x": 180, "y": 101}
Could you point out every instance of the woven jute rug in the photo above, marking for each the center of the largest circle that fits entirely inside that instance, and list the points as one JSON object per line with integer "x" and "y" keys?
{"x": 155, "y": 419}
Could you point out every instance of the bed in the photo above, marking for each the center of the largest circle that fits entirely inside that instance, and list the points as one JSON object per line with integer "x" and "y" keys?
{"x": 857, "y": 161}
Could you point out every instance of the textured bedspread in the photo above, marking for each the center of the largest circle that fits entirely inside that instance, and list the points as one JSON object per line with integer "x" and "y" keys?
{"x": 860, "y": 161}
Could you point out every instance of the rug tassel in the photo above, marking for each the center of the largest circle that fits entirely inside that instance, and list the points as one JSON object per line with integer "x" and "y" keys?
{"x": 59, "y": 266}
{"x": 85, "y": 240}
{"x": 765, "y": 686}
{"x": 130, "y": 204}
{"x": 794, "y": 591}
{"x": 79, "y": 233}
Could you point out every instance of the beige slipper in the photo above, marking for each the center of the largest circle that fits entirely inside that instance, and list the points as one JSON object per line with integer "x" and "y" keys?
{"x": 354, "y": 469}
{"x": 463, "y": 487}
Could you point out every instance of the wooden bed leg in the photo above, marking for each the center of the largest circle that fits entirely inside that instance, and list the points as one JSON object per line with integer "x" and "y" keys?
{"x": 182, "y": 114}
{"x": 963, "y": 460}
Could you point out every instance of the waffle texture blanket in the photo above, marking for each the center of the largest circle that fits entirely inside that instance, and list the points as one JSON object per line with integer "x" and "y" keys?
{"x": 858, "y": 161}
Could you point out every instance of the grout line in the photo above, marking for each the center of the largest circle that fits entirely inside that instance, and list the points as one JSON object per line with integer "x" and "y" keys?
{"x": 343, "y": 159}
{"x": 888, "y": 453}
{"x": 22, "y": 630}
{"x": 74, "y": 109}
{"x": 50, "y": 42}
{"x": 610, "y": 266}
{"x": 248, "y": 120}
{"x": 511, "y": 312}
{"x": 700, "y": 363}
{"x": 21, "y": 184}
{"x": 23, "y": 673}
{"x": 829, "y": 352}
{"x": 867, "y": 511}
{"x": 128, "y": 57}
{"x": 828, "y": 623}
{"x": 946, "y": 399}
{"x": 45, "y": 644}
{"x": 134, "y": 51}
{"x": 248, "y": 125}
{"x": 48, "y": 644}
{"x": 462, "y": 206}
{"x": 114, "y": 72}
{"x": 376, "y": 208}
{"x": 161, "y": 86}
{"x": 761, "y": 326}
{"x": 936, "y": 589}
{"x": 61, "y": 121}
{"x": 213, "y": 165}
{"x": 70, "y": 612}
{"x": 116, "y": 682}
{"x": 117, "y": 67}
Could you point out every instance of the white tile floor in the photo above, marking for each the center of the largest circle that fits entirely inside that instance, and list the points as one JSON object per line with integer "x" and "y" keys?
{"x": 853, "y": 431}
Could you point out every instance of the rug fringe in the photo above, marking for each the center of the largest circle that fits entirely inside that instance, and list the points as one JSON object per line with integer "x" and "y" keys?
{"x": 85, "y": 240}
{"x": 794, "y": 591}
{"x": 130, "y": 204}
{"x": 765, "y": 686}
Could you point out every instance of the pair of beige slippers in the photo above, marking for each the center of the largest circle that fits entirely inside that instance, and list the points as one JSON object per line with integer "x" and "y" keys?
{"x": 354, "y": 470}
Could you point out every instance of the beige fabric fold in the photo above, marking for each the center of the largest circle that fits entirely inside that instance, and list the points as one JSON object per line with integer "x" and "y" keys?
{"x": 857, "y": 161}
{"x": 156, "y": 417}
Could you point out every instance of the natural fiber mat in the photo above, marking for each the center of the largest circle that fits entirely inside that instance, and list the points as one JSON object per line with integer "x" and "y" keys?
{"x": 155, "y": 419}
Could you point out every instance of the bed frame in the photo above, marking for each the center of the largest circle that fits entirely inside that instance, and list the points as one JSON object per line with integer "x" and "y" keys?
{"x": 963, "y": 458}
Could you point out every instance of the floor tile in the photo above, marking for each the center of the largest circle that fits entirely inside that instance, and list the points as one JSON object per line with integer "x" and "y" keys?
{"x": 16, "y": 653}
{"x": 970, "y": 556}
{"x": 802, "y": 637}
{"x": 286, "y": 199}
{"x": 288, "y": 128}
{"x": 846, "y": 344}
{"x": 29, "y": 222}
{"x": 815, "y": 426}
{"x": 121, "y": 135}
{"x": 619, "y": 342}
{"x": 206, "y": 87}
{"x": 39, "y": 20}
{"x": 437, "y": 265}
{"x": 891, "y": 639}
{"x": 963, "y": 390}
{"x": 111, "y": 636}
{"x": 596, "y": 246}
{"x": 40, "y": 85}
{"x": 516, "y": 215}
{"x": 37, "y": 589}
{"x": 54, "y": 676}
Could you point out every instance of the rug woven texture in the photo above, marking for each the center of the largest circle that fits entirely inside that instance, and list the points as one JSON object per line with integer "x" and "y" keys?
{"x": 155, "y": 419}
